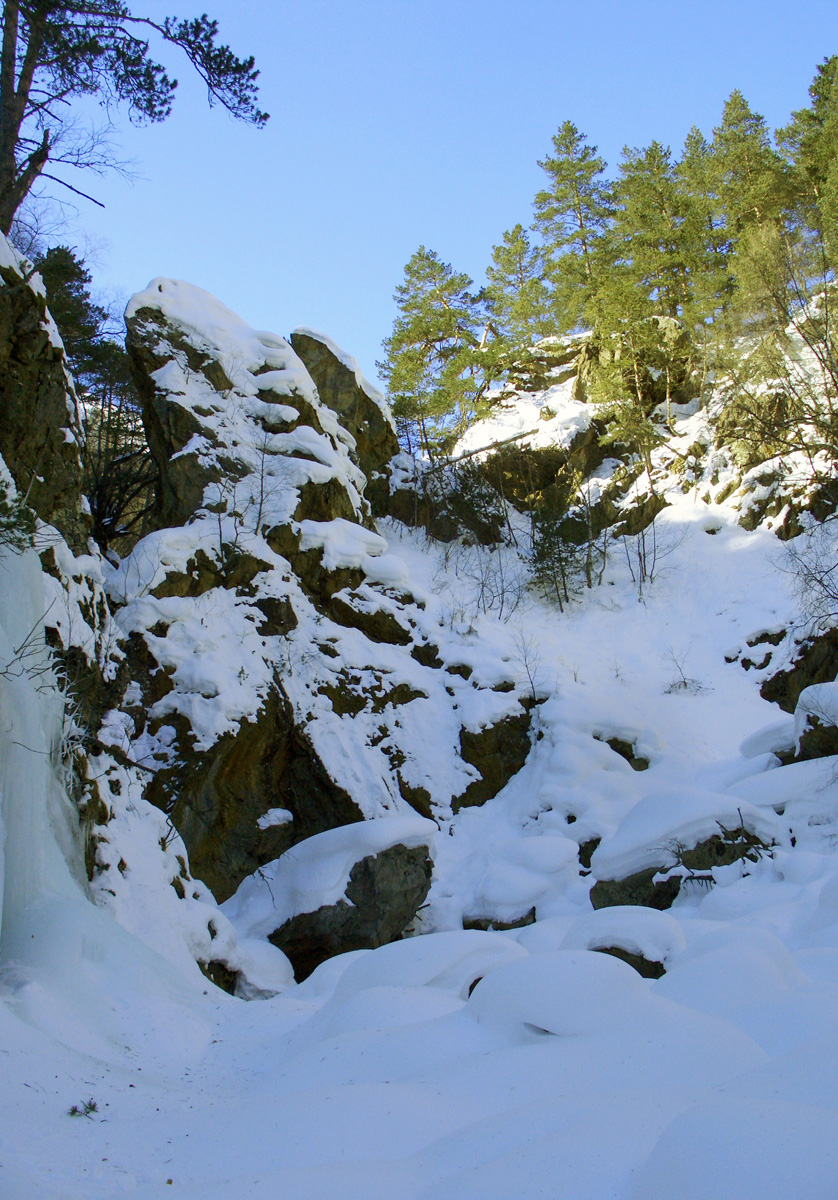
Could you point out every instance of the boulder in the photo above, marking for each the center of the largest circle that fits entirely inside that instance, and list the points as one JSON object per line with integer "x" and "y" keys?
{"x": 816, "y": 721}
{"x": 658, "y": 888}
{"x": 384, "y": 893}
{"x": 649, "y": 968}
{"x": 639, "y": 888}
{"x": 351, "y": 888}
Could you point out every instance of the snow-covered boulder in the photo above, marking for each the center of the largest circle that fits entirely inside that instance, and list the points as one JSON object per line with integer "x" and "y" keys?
{"x": 816, "y": 721}
{"x": 352, "y": 888}
{"x": 670, "y": 836}
{"x": 776, "y": 738}
{"x": 643, "y": 937}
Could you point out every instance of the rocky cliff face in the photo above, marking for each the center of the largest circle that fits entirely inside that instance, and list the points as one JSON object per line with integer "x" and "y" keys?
{"x": 360, "y": 407}
{"x": 40, "y": 424}
{"x": 256, "y": 671}
{"x": 279, "y": 662}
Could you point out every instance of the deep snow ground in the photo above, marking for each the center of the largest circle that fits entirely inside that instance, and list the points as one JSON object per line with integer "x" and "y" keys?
{"x": 563, "y": 1073}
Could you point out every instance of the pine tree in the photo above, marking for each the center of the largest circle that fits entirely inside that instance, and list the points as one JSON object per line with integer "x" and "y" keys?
{"x": 556, "y": 561}
{"x": 705, "y": 247}
{"x": 810, "y": 142}
{"x": 748, "y": 170}
{"x": 81, "y": 322}
{"x": 54, "y": 52}
{"x": 647, "y": 230}
{"x": 517, "y": 295}
{"x": 654, "y": 248}
{"x": 434, "y": 365}
{"x": 753, "y": 189}
{"x": 787, "y": 288}
{"x": 634, "y": 303}
{"x": 572, "y": 215}
{"x": 627, "y": 337}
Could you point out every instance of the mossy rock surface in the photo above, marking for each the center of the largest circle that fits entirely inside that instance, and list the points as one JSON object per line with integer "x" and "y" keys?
{"x": 418, "y": 797}
{"x": 816, "y": 661}
{"x": 378, "y": 624}
{"x": 647, "y": 967}
{"x": 639, "y": 888}
{"x": 818, "y": 740}
{"x": 40, "y": 427}
{"x": 152, "y": 342}
{"x": 498, "y": 752}
{"x": 216, "y": 797}
{"x": 720, "y": 850}
{"x": 375, "y": 439}
{"x": 492, "y": 923}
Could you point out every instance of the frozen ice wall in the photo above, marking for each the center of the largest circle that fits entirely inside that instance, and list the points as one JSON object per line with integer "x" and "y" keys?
{"x": 41, "y": 855}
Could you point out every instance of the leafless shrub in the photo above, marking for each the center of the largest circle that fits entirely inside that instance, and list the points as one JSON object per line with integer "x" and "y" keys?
{"x": 812, "y": 561}
{"x": 646, "y": 551}
{"x": 682, "y": 682}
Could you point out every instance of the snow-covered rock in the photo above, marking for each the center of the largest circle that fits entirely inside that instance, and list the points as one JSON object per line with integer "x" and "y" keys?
{"x": 352, "y": 888}
{"x": 815, "y": 720}
{"x": 276, "y": 656}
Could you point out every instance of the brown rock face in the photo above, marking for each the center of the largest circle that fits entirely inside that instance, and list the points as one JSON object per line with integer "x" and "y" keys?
{"x": 649, "y": 968}
{"x": 374, "y": 436}
{"x": 205, "y": 429}
{"x": 816, "y": 662}
{"x": 636, "y": 889}
{"x": 548, "y": 475}
{"x": 498, "y": 752}
{"x": 39, "y": 425}
{"x": 819, "y": 740}
{"x": 384, "y": 893}
{"x": 216, "y": 797}
{"x": 169, "y": 426}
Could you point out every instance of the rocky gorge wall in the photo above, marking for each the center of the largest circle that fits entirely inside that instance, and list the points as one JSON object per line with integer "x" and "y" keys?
{"x": 257, "y": 671}
{"x": 270, "y": 706}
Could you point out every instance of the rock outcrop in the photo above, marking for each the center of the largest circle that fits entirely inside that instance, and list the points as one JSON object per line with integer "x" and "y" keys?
{"x": 360, "y": 407}
{"x": 384, "y": 893}
{"x": 657, "y": 887}
{"x": 351, "y": 888}
{"x": 40, "y": 423}
{"x": 256, "y": 672}
{"x": 277, "y": 657}
{"x": 815, "y": 660}
{"x": 498, "y": 752}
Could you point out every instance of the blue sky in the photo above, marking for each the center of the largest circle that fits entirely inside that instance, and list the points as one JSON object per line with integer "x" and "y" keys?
{"x": 402, "y": 122}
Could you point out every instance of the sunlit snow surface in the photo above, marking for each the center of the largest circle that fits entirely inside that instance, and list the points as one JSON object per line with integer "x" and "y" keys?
{"x": 389, "y": 1074}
